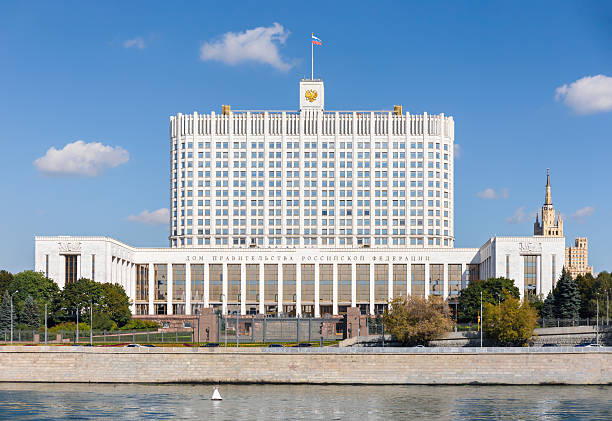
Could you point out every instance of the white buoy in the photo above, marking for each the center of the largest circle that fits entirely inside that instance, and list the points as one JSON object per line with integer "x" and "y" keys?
{"x": 216, "y": 396}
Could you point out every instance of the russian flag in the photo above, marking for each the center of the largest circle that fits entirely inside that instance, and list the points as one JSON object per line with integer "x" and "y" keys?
{"x": 316, "y": 41}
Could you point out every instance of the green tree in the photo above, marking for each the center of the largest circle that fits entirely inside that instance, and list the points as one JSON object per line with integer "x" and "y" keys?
{"x": 5, "y": 280}
{"x": 416, "y": 320}
{"x": 5, "y": 312}
{"x": 29, "y": 315}
{"x": 567, "y": 297}
{"x": 536, "y": 301}
{"x": 587, "y": 287}
{"x": 40, "y": 288}
{"x": 547, "y": 311}
{"x": 116, "y": 304}
{"x": 494, "y": 290}
{"x": 80, "y": 294}
{"x": 510, "y": 323}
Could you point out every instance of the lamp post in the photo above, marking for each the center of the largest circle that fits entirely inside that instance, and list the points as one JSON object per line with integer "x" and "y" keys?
{"x": 597, "y": 326}
{"x": 481, "y": 319}
{"x": 91, "y": 323}
{"x": 224, "y": 319}
{"x": 12, "y": 315}
{"x": 77, "y": 326}
{"x": 45, "y": 324}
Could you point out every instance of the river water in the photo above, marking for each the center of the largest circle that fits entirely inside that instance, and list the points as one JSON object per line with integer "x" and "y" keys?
{"x": 271, "y": 402}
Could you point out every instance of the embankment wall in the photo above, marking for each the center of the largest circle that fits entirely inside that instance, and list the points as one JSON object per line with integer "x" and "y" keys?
{"x": 325, "y": 366}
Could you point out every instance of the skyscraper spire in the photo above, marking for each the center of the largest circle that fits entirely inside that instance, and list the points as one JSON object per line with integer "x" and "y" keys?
{"x": 547, "y": 199}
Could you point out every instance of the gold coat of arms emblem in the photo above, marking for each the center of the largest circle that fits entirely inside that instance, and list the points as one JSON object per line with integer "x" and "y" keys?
{"x": 311, "y": 95}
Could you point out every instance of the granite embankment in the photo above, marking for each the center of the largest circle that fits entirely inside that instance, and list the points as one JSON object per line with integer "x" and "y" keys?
{"x": 512, "y": 366}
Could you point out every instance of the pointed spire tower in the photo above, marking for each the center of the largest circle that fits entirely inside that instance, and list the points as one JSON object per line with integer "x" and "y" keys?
{"x": 551, "y": 226}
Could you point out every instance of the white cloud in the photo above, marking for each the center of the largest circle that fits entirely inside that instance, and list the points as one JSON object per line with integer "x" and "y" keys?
{"x": 582, "y": 213}
{"x": 137, "y": 42}
{"x": 589, "y": 95}
{"x": 157, "y": 217}
{"x": 80, "y": 158}
{"x": 457, "y": 151}
{"x": 492, "y": 194}
{"x": 520, "y": 216}
{"x": 258, "y": 44}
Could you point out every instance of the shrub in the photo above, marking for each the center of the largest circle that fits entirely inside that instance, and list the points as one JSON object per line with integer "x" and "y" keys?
{"x": 66, "y": 327}
{"x": 139, "y": 324}
{"x": 417, "y": 320}
{"x": 511, "y": 322}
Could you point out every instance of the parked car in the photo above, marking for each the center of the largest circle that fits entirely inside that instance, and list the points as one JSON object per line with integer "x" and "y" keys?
{"x": 594, "y": 346}
{"x": 211, "y": 345}
{"x": 549, "y": 345}
{"x": 420, "y": 346}
{"x": 132, "y": 346}
{"x": 276, "y": 346}
{"x": 149, "y": 346}
{"x": 305, "y": 345}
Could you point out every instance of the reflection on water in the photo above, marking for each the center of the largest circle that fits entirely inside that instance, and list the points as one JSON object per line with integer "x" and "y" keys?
{"x": 265, "y": 402}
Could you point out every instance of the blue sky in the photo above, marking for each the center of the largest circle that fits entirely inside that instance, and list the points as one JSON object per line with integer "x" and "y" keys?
{"x": 528, "y": 84}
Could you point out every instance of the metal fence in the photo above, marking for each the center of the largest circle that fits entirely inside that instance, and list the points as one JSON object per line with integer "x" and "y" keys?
{"x": 279, "y": 329}
{"x": 98, "y": 337}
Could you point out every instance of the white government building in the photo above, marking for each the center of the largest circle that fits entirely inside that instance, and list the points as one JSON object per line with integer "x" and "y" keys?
{"x": 308, "y": 213}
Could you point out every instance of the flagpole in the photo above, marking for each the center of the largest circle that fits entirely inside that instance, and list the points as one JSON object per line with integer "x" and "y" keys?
{"x": 312, "y": 59}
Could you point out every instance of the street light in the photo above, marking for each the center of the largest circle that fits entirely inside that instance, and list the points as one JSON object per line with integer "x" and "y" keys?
{"x": 224, "y": 319}
{"x": 597, "y": 327}
{"x": 12, "y": 315}
{"x": 481, "y": 319}
{"x": 91, "y": 323}
{"x": 77, "y": 326}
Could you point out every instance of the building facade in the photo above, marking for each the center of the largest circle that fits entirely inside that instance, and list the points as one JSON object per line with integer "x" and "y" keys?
{"x": 577, "y": 258}
{"x": 311, "y": 178}
{"x": 305, "y": 281}
{"x": 307, "y": 213}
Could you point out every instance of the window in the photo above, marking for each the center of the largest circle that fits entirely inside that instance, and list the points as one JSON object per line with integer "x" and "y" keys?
{"x": 454, "y": 280}
{"x": 71, "y": 268}
{"x": 400, "y": 280}
{"x": 344, "y": 283}
{"x": 436, "y": 279}
{"x": 289, "y": 283}
{"x": 142, "y": 282}
{"x": 381, "y": 279}
{"x": 160, "y": 283}
{"x": 197, "y": 283}
{"x": 418, "y": 280}
{"x": 363, "y": 283}
{"x": 530, "y": 271}
{"x": 178, "y": 283}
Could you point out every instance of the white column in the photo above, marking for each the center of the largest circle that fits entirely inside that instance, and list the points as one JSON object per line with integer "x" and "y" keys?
{"x": 538, "y": 274}
{"x": 335, "y": 288}
{"x": 464, "y": 276}
{"x": 408, "y": 278}
{"x": 206, "y": 285}
{"x": 445, "y": 278}
{"x": 298, "y": 289}
{"x": 262, "y": 307}
{"x": 187, "y": 288}
{"x": 390, "y": 281}
{"x": 426, "y": 280}
{"x": 279, "y": 268}
{"x": 151, "y": 287}
{"x": 169, "y": 289}
{"x": 353, "y": 285}
{"x": 521, "y": 279}
{"x": 224, "y": 288}
{"x": 317, "y": 291}
{"x": 79, "y": 264}
{"x": 133, "y": 287}
{"x": 242, "y": 289}
{"x": 372, "y": 282}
